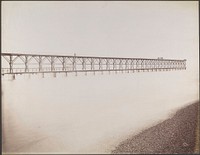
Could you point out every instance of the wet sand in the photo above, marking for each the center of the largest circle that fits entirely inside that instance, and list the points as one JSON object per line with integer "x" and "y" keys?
{"x": 175, "y": 135}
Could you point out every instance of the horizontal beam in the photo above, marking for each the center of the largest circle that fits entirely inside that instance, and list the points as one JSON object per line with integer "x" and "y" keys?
{"x": 37, "y": 55}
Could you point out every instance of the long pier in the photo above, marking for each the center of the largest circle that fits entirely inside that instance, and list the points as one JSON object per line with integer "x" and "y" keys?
{"x": 16, "y": 63}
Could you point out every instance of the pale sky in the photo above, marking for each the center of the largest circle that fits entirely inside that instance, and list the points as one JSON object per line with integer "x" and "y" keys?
{"x": 122, "y": 29}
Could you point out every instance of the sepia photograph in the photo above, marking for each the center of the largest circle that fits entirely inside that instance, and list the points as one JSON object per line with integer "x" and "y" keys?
{"x": 100, "y": 77}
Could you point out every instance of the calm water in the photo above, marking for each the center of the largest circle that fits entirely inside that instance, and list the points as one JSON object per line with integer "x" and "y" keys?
{"x": 88, "y": 114}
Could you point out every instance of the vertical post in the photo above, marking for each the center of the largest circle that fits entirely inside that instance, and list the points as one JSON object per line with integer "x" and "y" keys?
{"x": 161, "y": 65}
{"x": 176, "y": 65}
{"x": 52, "y": 63}
{"x": 26, "y": 63}
{"x": 100, "y": 64}
{"x": 164, "y": 65}
{"x": 74, "y": 62}
{"x": 156, "y": 64}
{"x": 40, "y": 63}
{"x": 148, "y": 65}
{"x": 92, "y": 63}
{"x": 11, "y": 64}
{"x": 63, "y": 63}
{"x": 132, "y": 64}
{"x": 181, "y": 67}
{"x": 114, "y": 65}
{"x": 129, "y": 65}
{"x": 107, "y": 64}
{"x": 126, "y": 64}
{"x": 142, "y": 64}
{"x": 185, "y": 64}
{"x": 114, "y": 61}
{"x": 83, "y": 63}
{"x": 108, "y": 61}
{"x": 168, "y": 64}
{"x": 120, "y": 64}
{"x": 137, "y": 63}
{"x": 151, "y": 64}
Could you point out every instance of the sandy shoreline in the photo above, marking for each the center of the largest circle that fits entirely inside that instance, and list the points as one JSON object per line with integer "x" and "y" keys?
{"x": 175, "y": 135}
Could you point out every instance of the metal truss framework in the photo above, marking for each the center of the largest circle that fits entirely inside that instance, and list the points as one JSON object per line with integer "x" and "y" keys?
{"x": 33, "y": 63}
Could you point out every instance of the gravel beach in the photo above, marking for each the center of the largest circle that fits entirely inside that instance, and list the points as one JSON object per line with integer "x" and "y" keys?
{"x": 173, "y": 136}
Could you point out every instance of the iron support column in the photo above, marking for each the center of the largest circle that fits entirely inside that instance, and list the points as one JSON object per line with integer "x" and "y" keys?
{"x": 52, "y": 64}
{"x": 63, "y": 63}
{"x": 11, "y": 64}
{"x": 40, "y": 63}
{"x": 74, "y": 62}
{"x": 26, "y": 63}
